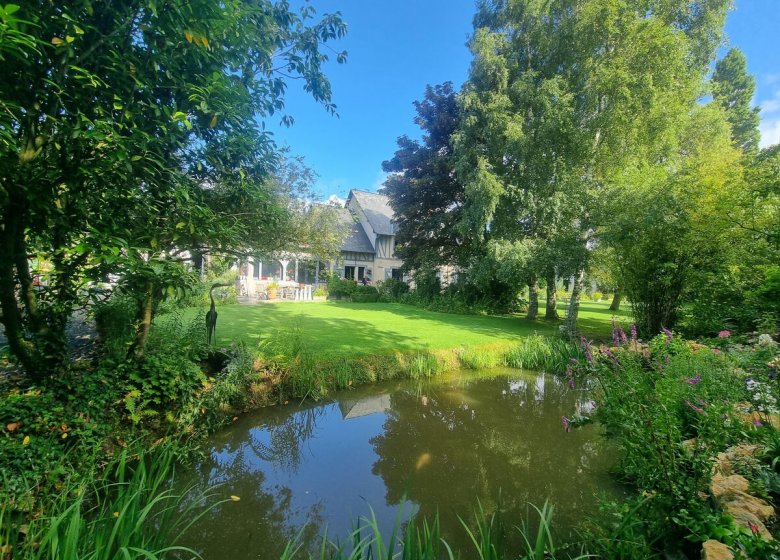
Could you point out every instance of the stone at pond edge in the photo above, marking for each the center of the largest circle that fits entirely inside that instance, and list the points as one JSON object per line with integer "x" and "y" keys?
{"x": 724, "y": 461}
{"x": 715, "y": 550}
{"x": 748, "y": 511}
{"x": 723, "y": 487}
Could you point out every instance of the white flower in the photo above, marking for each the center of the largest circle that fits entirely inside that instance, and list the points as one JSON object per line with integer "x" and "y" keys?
{"x": 766, "y": 341}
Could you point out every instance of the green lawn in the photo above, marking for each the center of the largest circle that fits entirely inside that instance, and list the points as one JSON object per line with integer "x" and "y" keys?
{"x": 332, "y": 329}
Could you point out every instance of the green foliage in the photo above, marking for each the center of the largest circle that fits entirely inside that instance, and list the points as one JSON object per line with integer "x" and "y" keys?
{"x": 114, "y": 322}
{"x": 671, "y": 406}
{"x": 427, "y": 284}
{"x": 365, "y": 294}
{"x": 392, "y": 290}
{"x": 170, "y": 373}
{"x": 424, "y": 193}
{"x": 420, "y": 539}
{"x": 50, "y": 430}
{"x": 128, "y": 510}
{"x": 733, "y": 89}
{"x": 133, "y": 132}
{"x": 340, "y": 288}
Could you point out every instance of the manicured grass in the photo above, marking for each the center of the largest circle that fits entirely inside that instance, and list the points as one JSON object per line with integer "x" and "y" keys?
{"x": 331, "y": 329}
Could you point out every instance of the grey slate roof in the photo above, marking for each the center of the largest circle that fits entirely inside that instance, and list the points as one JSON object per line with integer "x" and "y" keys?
{"x": 356, "y": 241}
{"x": 377, "y": 210}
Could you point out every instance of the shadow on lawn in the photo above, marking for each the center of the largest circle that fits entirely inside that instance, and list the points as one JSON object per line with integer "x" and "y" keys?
{"x": 491, "y": 325}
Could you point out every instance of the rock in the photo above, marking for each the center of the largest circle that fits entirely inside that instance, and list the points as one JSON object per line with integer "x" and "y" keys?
{"x": 748, "y": 511}
{"x": 715, "y": 550}
{"x": 746, "y": 519}
{"x": 724, "y": 462}
{"x": 756, "y": 506}
{"x": 723, "y": 487}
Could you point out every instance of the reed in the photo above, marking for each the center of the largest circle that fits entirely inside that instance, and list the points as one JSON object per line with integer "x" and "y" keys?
{"x": 420, "y": 539}
{"x": 129, "y": 511}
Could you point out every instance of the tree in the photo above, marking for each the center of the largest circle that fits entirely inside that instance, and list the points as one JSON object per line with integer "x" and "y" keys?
{"x": 565, "y": 100}
{"x": 131, "y": 126}
{"x": 672, "y": 228}
{"x": 424, "y": 193}
{"x": 733, "y": 89}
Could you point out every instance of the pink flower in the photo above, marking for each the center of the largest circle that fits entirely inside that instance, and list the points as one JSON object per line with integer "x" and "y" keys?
{"x": 693, "y": 406}
{"x": 724, "y": 334}
{"x": 716, "y": 351}
{"x": 566, "y": 424}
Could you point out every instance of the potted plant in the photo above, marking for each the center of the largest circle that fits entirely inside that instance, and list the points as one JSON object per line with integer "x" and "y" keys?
{"x": 272, "y": 290}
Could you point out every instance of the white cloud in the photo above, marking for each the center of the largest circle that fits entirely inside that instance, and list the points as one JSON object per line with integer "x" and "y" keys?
{"x": 336, "y": 200}
{"x": 770, "y": 119}
{"x": 770, "y": 132}
{"x": 770, "y": 105}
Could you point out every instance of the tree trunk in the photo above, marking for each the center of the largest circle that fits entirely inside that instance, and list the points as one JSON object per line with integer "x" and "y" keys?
{"x": 10, "y": 315}
{"x": 533, "y": 298}
{"x": 615, "y": 305}
{"x": 570, "y": 326}
{"x": 144, "y": 324}
{"x": 551, "y": 311}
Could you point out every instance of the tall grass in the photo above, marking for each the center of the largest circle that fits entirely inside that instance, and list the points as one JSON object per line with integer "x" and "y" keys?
{"x": 131, "y": 512}
{"x": 420, "y": 539}
{"x": 303, "y": 375}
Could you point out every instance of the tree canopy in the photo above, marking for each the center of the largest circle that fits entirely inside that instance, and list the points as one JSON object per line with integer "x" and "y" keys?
{"x": 132, "y": 127}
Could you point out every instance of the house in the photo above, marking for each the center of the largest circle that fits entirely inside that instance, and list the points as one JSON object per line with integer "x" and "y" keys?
{"x": 369, "y": 249}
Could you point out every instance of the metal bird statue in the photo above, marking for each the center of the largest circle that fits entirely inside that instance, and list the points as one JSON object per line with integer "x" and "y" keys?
{"x": 211, "y": 316}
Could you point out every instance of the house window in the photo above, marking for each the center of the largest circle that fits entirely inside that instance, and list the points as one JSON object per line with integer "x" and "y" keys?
{"x": 349, "y": 272}
{"x": 394, "y": 273}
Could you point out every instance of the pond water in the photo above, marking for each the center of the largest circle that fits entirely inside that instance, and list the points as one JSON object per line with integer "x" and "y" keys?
{"x": 439, "y": 445}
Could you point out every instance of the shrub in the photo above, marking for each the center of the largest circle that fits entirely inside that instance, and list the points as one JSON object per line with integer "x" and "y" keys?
{"x": 597, "y": 296}
{"x": 114, "y": 318}
{"x": 392, "y": 289}
{"x": 365, "y": 294}
{"x": 169, "y": 373}
{"x": 340, "y": 288}
{"x": 427, "y": 284}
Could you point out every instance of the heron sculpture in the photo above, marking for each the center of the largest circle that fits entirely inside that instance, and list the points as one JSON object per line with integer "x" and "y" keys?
{"x": 211, "y": 316}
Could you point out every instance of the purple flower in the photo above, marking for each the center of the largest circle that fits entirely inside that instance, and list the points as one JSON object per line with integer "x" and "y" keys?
{"x": 574, "y": 360}
{"x": 571, "y": 383}
{"x": 693, "y": 406}
{"x": 586, "y": 348}
{"x": 701, "y": 402}
{"x": 758, "y": 423}
{"x": 694, "y": 380}
{"x": 724, "y": 334}
{"x": 566, "y": 424}
{"x": 608, "y": 353}
{"x": 668, "y": 333}
{"x": 633, "y": 331}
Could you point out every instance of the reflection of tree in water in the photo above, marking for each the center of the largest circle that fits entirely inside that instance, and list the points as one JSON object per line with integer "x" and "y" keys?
{"x": 288, "y": 434}
{"x": 493, "y": 436}
{"x": 261, "y": 523}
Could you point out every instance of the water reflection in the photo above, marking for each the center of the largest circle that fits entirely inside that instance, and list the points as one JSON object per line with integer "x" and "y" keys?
{"x": 441, "y": 445}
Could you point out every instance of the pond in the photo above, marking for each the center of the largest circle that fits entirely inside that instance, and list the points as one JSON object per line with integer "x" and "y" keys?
{"x": 433, "y": 446}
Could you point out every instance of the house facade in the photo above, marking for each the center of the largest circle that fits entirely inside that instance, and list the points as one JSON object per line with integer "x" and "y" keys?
{"x": 368, "y": 251}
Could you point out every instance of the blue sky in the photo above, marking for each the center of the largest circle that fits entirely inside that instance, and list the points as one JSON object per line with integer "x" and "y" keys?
{"x": 396, "y": 48}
